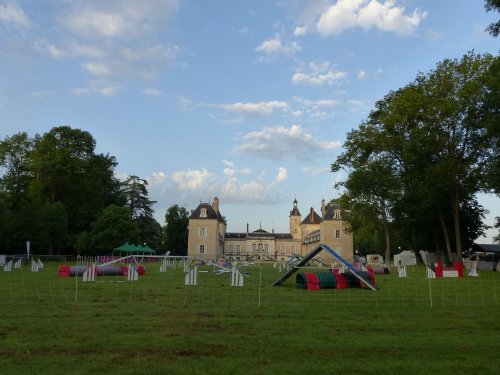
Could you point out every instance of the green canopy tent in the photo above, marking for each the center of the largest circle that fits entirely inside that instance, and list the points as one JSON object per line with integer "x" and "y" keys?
{"x": 129, "y": 249}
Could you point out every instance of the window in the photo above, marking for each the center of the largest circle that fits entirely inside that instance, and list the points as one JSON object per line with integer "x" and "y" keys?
{"x": 293, "y": 248}
{"x": 337, "y": 233}
{"x": 282, "y": 249}
{"x": 237, "y": 249}
{"x": 203, "y": 212}
{"x": 337, "y": 215}
{"x": 202, "y": 232}
{"x": 230, "y": 248}
{"x": 201, "y": 249}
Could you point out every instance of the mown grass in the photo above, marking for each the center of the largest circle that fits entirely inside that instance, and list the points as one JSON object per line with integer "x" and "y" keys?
{"x": 156, "y": 325}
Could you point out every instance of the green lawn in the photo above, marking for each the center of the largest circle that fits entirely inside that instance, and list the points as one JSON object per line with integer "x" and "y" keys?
{"x": 157, "y": 325}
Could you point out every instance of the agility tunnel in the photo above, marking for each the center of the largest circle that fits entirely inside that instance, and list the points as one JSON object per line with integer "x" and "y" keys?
{"x": 104, "y": 270}
{"x": 332, "y": 280}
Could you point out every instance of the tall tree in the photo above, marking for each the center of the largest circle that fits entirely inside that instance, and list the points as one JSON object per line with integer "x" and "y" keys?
{"x": 15, "y": 164}
{"x": 66, "y": 169}
{"x": 176, "y": 230}
{"x": 432, "y": 133}
{"x": 135, "y": 190}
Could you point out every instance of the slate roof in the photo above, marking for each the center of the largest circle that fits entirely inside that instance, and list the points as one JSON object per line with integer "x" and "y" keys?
{"x": 259, "y": 233}
{"x": 330, "y": 211}
{"x": 295, "y": 211}
{"x": 487, "y": 248}
{"x": 312, "y": 218}
{"x": 211, "y": 213}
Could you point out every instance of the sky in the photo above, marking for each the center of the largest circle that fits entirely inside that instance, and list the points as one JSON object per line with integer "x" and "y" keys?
{"x": 246, "y": 100}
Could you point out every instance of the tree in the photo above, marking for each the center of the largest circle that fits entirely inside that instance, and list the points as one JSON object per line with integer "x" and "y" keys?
{"x": 15, "y": 161}
{"x": 66, "y": 170}
{"x": 431, "y": 134}
{"x": 494, "y": 27}
{"x": 176, "y": 230}
{"x": 112, "y": 228}
{"x": 374, "y": 190}
{"x": 135, "y": 190}
{"x": 497, "y": 225}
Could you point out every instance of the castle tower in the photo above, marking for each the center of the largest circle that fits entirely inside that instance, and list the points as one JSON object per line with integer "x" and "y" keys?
{"x": 295, "y": 220}
{"x": 207, "y": 228}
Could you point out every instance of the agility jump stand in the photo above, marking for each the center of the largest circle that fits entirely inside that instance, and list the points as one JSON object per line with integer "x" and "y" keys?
{"x": 473, "y": 269}
{"x": 90, "y": 274}
{"x": 236, "y": 277}
{"x": 8, "y": 266}
{"x": 402, "y": 271}
{"x": 191, "y": 277}
{"x": 165, "y": 263}
{"x": 34, "y": 266}
{"x": 132, "y": 274}
{"x": 436, "y": 270}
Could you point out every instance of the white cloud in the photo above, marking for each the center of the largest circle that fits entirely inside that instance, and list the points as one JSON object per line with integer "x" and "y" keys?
{"x": 192, "y": 179}
{"x": 97, "y": 24}
{"x": 97, "y": 68}
{"x": 109, "y": 91}
{"x": 255, "y": 109}
{"x": 368, "y": 14}
{"x": 318, "y": 74}
{"x": 316, "y": 171}
{"x": 317, "y": 103}
{"x": 117, "y": 18}
{"x": 151, "y": 92}
{"x": 157, "y": 178}
{"x": 282, "y": 174}
{"x": 300, "y": 30}
{"x": 42, "y": 94}
{"x": 97, "y": 88}
{"x": 279, "y": 143}
{"x": 13, "y": 15}
{"x": 275, "y": 46}
{"x": 364, "y": 74}
{"x": 357, "y": 105}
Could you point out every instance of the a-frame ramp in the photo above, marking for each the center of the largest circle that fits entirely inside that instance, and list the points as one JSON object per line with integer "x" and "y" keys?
{"x": 311, "y": 255}
{"x": 296, "y": 266}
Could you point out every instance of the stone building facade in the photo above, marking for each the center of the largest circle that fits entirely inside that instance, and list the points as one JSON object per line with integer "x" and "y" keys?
{"x": 209, "y": 240}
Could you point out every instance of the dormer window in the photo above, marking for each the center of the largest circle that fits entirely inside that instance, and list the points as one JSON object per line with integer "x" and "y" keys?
{"x": 336, "y": 215}
{"x": 203, "y": 212}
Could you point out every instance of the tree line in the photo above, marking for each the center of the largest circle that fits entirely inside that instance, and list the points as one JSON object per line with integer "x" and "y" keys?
{"x": 63, "y": 197}
{"x": 416, "y": 164}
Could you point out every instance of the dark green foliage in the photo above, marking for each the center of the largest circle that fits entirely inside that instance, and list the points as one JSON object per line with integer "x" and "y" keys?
{"x": 422, "y": 156}
{"x": 176, "y": 230}
{"x": 52, "y": 188}
{"x": 112, "y": 228}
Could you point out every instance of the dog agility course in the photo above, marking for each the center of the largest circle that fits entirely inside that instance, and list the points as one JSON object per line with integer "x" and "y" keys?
{"x": 160, "y": 323}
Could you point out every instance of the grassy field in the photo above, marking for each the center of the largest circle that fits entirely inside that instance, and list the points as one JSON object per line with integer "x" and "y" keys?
{"x": 157, "y": 325}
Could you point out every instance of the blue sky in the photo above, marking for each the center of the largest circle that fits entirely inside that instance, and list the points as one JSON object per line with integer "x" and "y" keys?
{"x": 246, "y": 100}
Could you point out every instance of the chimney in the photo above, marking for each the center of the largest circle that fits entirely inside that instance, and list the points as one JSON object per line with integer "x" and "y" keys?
{"x": 311, "y": 215}
{"x": 323, "y": 208}
{"x": 247, "y": 229}
{"x": 215, "y": 204}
